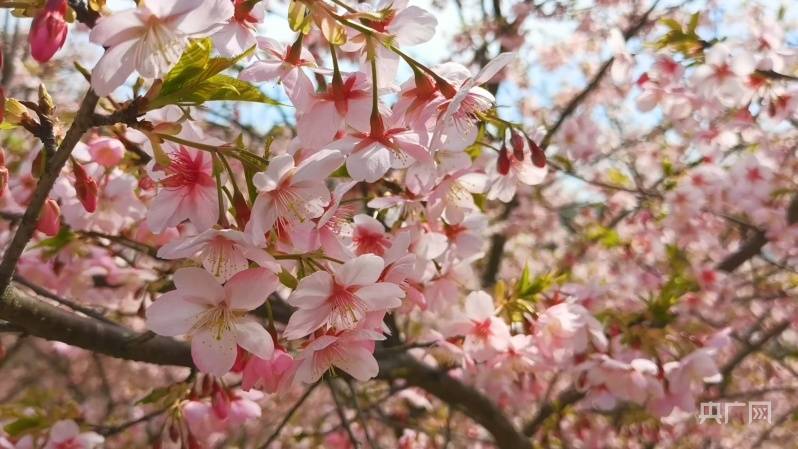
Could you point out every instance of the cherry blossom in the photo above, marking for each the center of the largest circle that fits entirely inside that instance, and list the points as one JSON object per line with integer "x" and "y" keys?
{"x": 66, "y": 434}
{"x": 150, "y": 38}
{"x": 341, "y": 299}
{"x": 290, "y": 192}
{"x": 215, "y": 315}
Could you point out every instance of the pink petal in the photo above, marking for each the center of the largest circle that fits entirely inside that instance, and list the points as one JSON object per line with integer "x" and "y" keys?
{"x": 312, "y": 291}
{"x": 213, "y": 355}
{"x": 479, "y": 306}
{"x": 362, "y": 270}
{"x": 357, "y": 361}
{"x": 304, "y": 321}
{"x": 197, "y": 284}
{"x": 172, "y": 315}
{"x": 251, "y": 336}
{"x": 250, "y": 288}
{"x": 381, "y": 296}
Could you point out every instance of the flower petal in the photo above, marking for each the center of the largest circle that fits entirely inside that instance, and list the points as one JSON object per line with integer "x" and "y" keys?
{"x": 251, "y": 336}
{"x": 172, "y": 315}
{"x": 197, "y": 284}
{"x": 213, "y": 355}
{"x": 362, "y": 270}
{"x": 250, "y": 288}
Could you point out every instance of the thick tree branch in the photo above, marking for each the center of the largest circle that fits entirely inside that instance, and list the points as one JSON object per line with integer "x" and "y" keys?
{"x": 43, "y": 320}
{"x": 456, "y": 394}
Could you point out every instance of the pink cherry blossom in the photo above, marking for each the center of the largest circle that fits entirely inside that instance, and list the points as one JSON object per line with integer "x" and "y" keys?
{"x": 455, "y": 128}
{"x": 369, "y": 236}
{"x": 106, "y": 151}
{"x": 149, "y": 39}
{"x": 283, "y": 63}
{"x": 291, "y": 193}
{"x": 323, "y": 114}
{"x": 272, "y": 375}
{"x": 188, "y": 192}
{"x": 66, "y": 434}
{"x": 567, "y": 329}
{"x": 372, "y": 154}
{"x": 485, "y": 334}
{"x": 215, "y": 315}
{"x": 341, "y": 299}
{"x": 223, "y": 252}
{"x": 350, "y": 352}
{"x": 238, "y": 35}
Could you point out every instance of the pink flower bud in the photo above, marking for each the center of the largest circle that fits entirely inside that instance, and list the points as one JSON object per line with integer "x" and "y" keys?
{"x": 50, "y": 218}
{"x": 107, "y": 151}
{"x": 517, "y": 142}
{"x": 221, "y": 403}
{"x": 3, "y": 180}
{"x": 86, "y": 188}
{"x": 503, "y": 163}
{"x": 48, "y": 31}
{"x": 538, "y": 156}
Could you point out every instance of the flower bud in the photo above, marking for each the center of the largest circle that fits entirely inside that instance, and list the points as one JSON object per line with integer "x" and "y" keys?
{"x": 220, "y": 402}
{"x": 107, "y": 151}
{"x": 2, "y": 102}
{"x": 86, "y": 188}
{"x": 48, "y": 31}
{"x": 50, "y": 218}
{"x": 503, "y": 163}
{"x": 242, "y": 210}
{"x": 517, "y": 142}
{"x": 174, "y": 432}
{"x": 15, "y": 112}
{"x": 538, "y": 156}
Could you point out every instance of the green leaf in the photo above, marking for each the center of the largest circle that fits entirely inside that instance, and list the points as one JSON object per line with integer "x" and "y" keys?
{"x": 693, "y": 24}
{"x": 57, "y": 242}
{"x": 21, "y": 425}
{"x": 197, "y": 78}
{"x": 154, "y": 396}
{"x": 671, "y": 23}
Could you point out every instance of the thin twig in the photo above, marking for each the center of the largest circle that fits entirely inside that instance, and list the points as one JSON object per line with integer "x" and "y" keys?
{"x": 288, "y": 416}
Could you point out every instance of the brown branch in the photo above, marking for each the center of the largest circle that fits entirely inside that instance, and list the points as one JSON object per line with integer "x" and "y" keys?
{"x": 749, "y": 349}
{"x": 43, "y": 320}
{"x": 52, "y": 170}
{"x": 457, "y": 395}
{"x": 565, "y": 399}
{"x": 754, "y": 245}
{"x": 41, "y": 291}
{"x": 288, "y": 415}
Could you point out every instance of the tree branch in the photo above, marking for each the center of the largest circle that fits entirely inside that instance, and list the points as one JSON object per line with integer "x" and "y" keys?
{"x": 49, "y": 322}
{"x": 27, "y": 225}
{"x": 43, "y": 320}
{"x": 456, "y": 394}
{"x": 754, "y": 245}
